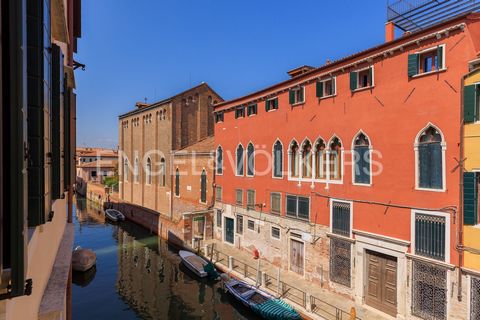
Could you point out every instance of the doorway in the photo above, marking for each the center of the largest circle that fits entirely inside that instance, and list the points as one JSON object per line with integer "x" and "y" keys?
{"x": 296, "y": 256}
{"x": 229, "y": 230}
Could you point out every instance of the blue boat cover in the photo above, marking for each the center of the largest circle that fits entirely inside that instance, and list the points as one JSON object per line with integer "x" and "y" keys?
{"x": 276, "y": 309}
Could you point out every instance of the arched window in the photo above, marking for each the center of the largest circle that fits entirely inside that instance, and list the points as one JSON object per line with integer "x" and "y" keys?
{"x": 149, "y": 171}
{"x": 125, "y": 169}
{"x": 277, "y": 159}
{"x": 203, "y": 187}
{"x": 240, "y": 160}
{"x": 430, "y": 159}
{"x": 219, "y": 160}
{"x": 135, "y": 170}
{"x": 335, "y": 159}
{"x": 307, "y": 159}
{"x": 361, "y": 160}
{"x": 177, "y": 183}
{"x": 162, "y": 172}
{"x": 250, "y": 160}
{"x": 293, "y": 154}
{"x": 320, "y": 160}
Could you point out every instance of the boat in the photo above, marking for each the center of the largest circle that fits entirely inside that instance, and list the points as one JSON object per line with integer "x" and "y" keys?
{"x": 261, "y": 302}
{"x": 114, "y": 215}
{"x": 197, "y": 264}
{"x": 83, "y": 259}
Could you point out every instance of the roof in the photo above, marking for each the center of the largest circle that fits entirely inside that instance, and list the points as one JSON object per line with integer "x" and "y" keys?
{"x": 167, "y": 100}
{"x": 94, "y": 152}
{"x": 99, "y": 164}
{"x": 349, "y": 58}
{"x": 205, "y": 145}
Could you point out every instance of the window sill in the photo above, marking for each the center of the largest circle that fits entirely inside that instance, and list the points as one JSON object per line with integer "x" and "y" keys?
{"x": 363, "y": 89}
{"x": 250, "y": 176}
{"x": 251, "y": 115}
{"x": 279, "y": 178}
{"x": 327, "y": 97}
{"x": 429, "y": 260}
{"x": 333, "y": 235}
{"x": 297, "y": 104}
{"x": 362, "y": 184}
{"x": 430, "y": 190}
{"x": 271, "y": 110}
{"x": 424, "y": 74}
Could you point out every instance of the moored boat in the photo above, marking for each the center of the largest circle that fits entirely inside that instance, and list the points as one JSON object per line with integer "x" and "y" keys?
{"x": 114, "y": 215}
{"x": 261, "y": 302}
{"x": 83, "y": 259}
{"x": 197, "y": 264}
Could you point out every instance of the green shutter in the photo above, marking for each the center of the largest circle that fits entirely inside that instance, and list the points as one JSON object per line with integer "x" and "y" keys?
{"x": 319, "y": 89}
{"x": 470, "y": 201}
{"x": 370, "y": 73}
{"x": 66, "y": 137}
{"x": 302, "y": 93}
{"x": 469, "y": 103}
{"x": 291, "y": 96}
{"x": 57, "y": 88}
{"x": 266, "y": 105}
{"x": 353, "y": 80}
{"x": 275, "y": 103}
{"x": 412, "y": 64}
{"x": 440, "y": 57}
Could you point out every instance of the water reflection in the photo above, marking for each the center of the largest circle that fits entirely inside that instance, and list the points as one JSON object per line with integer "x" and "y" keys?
{"x": 140, "y": 276}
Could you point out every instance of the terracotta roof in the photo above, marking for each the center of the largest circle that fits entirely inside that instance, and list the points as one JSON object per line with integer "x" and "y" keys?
{"x": 99, "y": 164}
{"x": 93, "y": 152}
{"x": 205, "y": 145}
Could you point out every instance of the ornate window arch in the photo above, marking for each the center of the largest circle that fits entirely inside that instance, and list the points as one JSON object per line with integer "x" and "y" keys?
{"x": 219, "y": 160}
{"x": 294, "y": 159}
{"x": 125, "y": 169}
{"x": 320, "y": 159}
{"x": 135, "y": 170}
{"x": 163, "y": 172}
{"x": 430, "y": 149}
{"x": 240, "y": 157}
{"x": 335, "y": 169}
{"x": 148, "y": 171}
{"x": 278, "y": 159}
{"x": 361, "y": 158}
{"x": 307, "y": 159}
{"x": 203, "y": 187}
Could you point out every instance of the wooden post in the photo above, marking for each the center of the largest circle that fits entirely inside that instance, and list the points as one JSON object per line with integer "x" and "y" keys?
{"x": 230, "y": 262}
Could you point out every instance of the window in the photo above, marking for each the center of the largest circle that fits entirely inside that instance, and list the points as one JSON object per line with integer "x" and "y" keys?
{"x": 294, "y": 159}
{"x": 239, "y": 171}
{"x": 320, "y": 160}
{"x": 475, "y": 298}
{"x": 341, "y": 217}
{"x": 275, "y": 202}
{"x": 203, "y": 187}
{"x": 135, "y": 171}
{"x": 162, "y": 172}
{"x": 361, "y": 159}
{"x": 219, "y": 160}
{"x": 297, "y": 95}
{"x": 340, "y": 261}
{"x": 275, "y": 232}
{"x": 149, "y": 171}
{"x": 335, "y": 159}
{"x": 278, "y": 159}
{"x": 177, "y": 183}
{"x": 471, "y": 103}
{"x": 430, "y": 236}
{"x": 429, "y": 296}
{"x": 251, "y": 225}
{"x": 271, "y": 104}
{"x": 429, "y": 154}
{"x": 327, "y": 88}
{"x": 219, "y": 218}
{"x": 251, "y": 199}
{"x": 426, "y": 61}
{"x": 239, "y": 112}
{"x": 470, "y": 198}
{"x": 218, "y": 193}
{"x": 252, "y": 109}
{"x": 239, "y": 197}
{"x": 239, "y": 224}
{"x": 218, "y": 116}
{"x": 298, "y": 207}
{"x": 250, "y": 160}
{"x": 361, "y": 79}
{"x": 125, "y": 169}
{"x": 307, "y": 159}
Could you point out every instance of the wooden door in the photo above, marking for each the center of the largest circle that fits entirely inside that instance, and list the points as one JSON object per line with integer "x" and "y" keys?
{"x": 229, "y": 230}
{"x": 296, "y": 256}
{"x": 381, "y": 286}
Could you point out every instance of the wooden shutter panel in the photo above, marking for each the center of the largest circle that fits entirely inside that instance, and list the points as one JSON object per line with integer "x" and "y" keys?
{"x": 424, "y": 174}
{"x": 470, "y": 199}
{"x": 291, "y": 96}
{"x": 66, "y": 137}
{"x": 319, "y": 89}
{"x": 302, "y": 94}
{"x": 57, "y": 88}
{"x": 469, "y": 103}
{"x": 353, "y": 80}
{"x": 436, "y": 163}
{"x": 371, "y": 74}
{"x": 266, "y": 105}
{"x": 439, "y": 57}
{"x": 275, "y": 103}
{"x": 412, "y": 64}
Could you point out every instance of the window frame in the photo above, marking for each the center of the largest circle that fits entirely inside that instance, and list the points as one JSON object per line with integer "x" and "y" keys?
{"x": 280, "y": 203}
{"x": 219, "y": 223}
{"x": 279, "y": 233}
{"x": 248, "y": 205}
{"x": 239, "y": 112}
{"x": 177, "y": 183}
{"x": 202, "y": 191}
{"x": 297, "y": 90}
{"x": 238, "y": 226}
{"x": 270, "y": 104}
{"x": 136, "y": 171}
{"x": 248, "y": 225}
{"x": 370, "y": 149}
{"x": 282, "y": 160}
{"x": 334, "y": 93}
{"x": 372, "y": 80}
{"x": 219, "y": 151}
{"x": 332, "y": 200}
{"x": 425, "y": 51}
{"x": 252, "y": 109}
{"x": 219, "y": 117}
{"x": 148, "y": 173}
{"x": 217, "y": 189}
{"x": 236, "y": 161}
{"x": 296, "y": 207}
{"x": 237, "y": 203}
{"x": 247, "y": 161}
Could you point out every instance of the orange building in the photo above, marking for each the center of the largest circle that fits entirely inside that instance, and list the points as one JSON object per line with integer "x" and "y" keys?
{"x": 348, "y": 174}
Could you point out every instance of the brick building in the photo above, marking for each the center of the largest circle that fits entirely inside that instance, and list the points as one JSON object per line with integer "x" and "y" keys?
{"x": 355, "y": 184}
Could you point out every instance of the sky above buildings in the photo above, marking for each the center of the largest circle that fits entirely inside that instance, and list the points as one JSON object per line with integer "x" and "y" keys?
{"x": 153, "y": 49}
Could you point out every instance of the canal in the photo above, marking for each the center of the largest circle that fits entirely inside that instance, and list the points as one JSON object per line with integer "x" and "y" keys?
{"x": 138, "y": 276}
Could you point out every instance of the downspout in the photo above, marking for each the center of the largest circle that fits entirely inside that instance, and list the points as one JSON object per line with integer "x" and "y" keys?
{"x": 460, "y": 208}
{"x": 171, "y": 186}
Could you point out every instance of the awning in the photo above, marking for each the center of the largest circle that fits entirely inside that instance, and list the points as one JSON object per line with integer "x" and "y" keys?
{"x": 59, "y": 22}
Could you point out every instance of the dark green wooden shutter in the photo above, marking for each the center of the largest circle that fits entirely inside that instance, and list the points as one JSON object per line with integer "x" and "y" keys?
{"x": 439, "y": 57}
{"x": 412, "y": 64}
{"x": 57, "y": 101}
{"x": 470, "y": 200}
{"x": 266, "y": 105}
{"x": 319, "y": 89}
{"x": 291, "y": 96}
{"x": 334, "y": 86}
{"x": 370, "y": 73}
{"x": 353, "y": 80}
{"x": 469, "y": 103}
{"x": 275, "y": 103}
{"x": 66, "y": 137}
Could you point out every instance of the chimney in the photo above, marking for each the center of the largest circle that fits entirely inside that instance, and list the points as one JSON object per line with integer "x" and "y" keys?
{"x": 389, "y": 31}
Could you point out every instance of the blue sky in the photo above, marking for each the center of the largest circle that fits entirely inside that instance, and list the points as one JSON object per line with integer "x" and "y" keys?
{"x": 155, "y": 48}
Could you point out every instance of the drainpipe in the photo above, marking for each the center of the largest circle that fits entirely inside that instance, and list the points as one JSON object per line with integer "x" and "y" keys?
{"x": 171, "y": 187}
{"x": 460, "y": 209}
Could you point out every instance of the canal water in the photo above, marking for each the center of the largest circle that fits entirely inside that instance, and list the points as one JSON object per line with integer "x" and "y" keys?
{"x": 138, "y": 276}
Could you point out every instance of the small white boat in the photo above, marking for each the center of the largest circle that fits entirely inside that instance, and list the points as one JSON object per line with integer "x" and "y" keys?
{"x": 114, "y": 215}
{"x": 194, "y": 263}
{"x": 83, "y": 259}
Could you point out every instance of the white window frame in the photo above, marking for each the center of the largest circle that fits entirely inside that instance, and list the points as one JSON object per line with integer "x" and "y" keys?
{"x": 244, "y": 112}
{"x": 273, "y": 158}
{"x": 236, "y": 203}
{"x": 370, "y": 148}
{"x": 372, "y": 81}
{"x": 332, "y": 200}
{"x": 444, "y": 66}
{"x": 254, "y": 199}
{"x": 256, "y": 110}
{"x": 290, "y": 154}
{"x": 269, "y": 100}
{"x": 334, "y": 93}
{"x": 296, "y": 90}
{"x": 279, "y": 233}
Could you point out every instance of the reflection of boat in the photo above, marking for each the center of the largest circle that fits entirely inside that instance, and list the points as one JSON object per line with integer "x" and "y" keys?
{"x": 261, "y": 302}
{"x": 114, "y": 215}
{"x": 83, "y": 279}
{"x": 198, "y": 265}
{"x": 83, "y": 259}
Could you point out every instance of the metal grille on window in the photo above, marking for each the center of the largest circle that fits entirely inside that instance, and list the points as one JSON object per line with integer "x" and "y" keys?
{"x": 341, "y": 218}
{"x": 429, "y": 297}
{"x": 430, "y": 236}
{"x": 475, "y": 299}
{"x": 340, "y": 261}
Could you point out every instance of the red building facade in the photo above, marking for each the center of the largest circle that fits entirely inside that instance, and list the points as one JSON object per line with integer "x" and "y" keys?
{"x": 347, "y": 174}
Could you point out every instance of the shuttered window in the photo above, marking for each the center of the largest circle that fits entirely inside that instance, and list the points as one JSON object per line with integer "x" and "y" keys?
{"x": 412, "y": 64}
{"x": 251, "y": 199}
{"x": 278, "y": 160}
{"x": 251, "y": 224}
{"x": 341, "y": 212}
{"x": 430, "y": 236}
{"x": 250, "y": 160}
{"x": 326, "y": 88}
{"x": 67, "y": 137}
{"x": 470, "y": 198}
{"x": 471, "y": 103}
{"x": 275, "y": 202}
{"x": 240, "y": 161}
{"x": 298, "y": 207}
{"x": 361, "y": 79}
{"x": 361, "y": 157}
{"x": 218, "y": 193}
{"x": 239, "y": 197}
{"x": 252, "y": 110}
{"x": 275, "y": 232}
{"x": 239, "y": 224}
{"x": 57, "y": 122}
{"x": 219, "y": 218}
{"x": 297, "y": 95}
{"x": 271, "y": 104}
{"x": 239, "y": 112}
{"x": 430, "y": 160}
{"x": 353, "y": 81}
{"x": 426, "y": 61}
{"x": 218, "y": 116}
